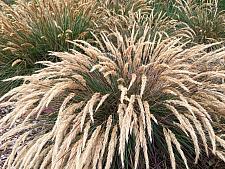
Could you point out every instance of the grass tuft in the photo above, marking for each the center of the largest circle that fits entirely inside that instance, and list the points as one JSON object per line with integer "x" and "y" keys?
{"x": 121, "y": 104}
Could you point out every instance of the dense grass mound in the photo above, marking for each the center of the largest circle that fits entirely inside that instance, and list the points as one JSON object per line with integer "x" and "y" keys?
{"x": 121, "y": 105}
{"x": 204, "y": 17}
{"x": 29, "y": 30}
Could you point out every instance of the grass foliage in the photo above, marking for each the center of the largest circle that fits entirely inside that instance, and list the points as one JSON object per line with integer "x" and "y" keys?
{"x": 127, "y": 84}
{"x": 204, "y": 17}
{"x": 30, "y": 30}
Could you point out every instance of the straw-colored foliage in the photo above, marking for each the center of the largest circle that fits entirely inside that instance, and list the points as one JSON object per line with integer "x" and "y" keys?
{"x": 115, "y": 103}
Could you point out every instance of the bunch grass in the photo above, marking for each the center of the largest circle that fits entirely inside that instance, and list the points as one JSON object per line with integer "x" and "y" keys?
{"x": 120, "y": 104}
{"x": 29, "y": 30}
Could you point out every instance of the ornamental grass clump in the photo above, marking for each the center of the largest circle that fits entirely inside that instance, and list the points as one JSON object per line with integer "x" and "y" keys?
{"x": 204, "y": 17}
{"x": 29, "y": 30}
{"x": 128, "y": 103}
